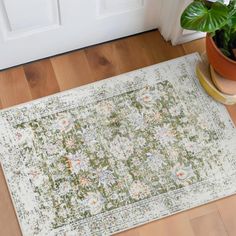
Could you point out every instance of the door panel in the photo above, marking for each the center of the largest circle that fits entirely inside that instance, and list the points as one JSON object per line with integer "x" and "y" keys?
{"x": 40, "y": 13}
{"x": 107, "y": 7}
{"x": 21, "y": 18}
{"x": 34, "y": 29}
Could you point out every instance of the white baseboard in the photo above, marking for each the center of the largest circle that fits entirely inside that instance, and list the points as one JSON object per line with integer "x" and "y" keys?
{"x": 188, "y": 38}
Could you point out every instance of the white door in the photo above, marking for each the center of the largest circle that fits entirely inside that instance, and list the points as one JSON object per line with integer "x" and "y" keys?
{"x": 34, "y": 29}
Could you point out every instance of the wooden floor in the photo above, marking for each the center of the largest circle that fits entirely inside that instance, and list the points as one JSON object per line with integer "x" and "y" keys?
{"x": 49, "y": 76}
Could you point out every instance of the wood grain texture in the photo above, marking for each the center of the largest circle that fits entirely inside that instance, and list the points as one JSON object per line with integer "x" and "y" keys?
{"x": 195, "y": 46}
{"x": 129, "y": 50}
{"x": 159, "y": 49}
{"x": 8, "y": 220}
{"x": 14, "y": 88}
{"x": 174, "y": 225}
{"x": 72, "y": 70}
{"x": 227, "y": 210}
{"x": 77, "y": 68}
{"x": 210, "y": 225}
{"x": 41, "y": 78}
{"x": 202, "y": 210}
{"x": 102, "y": 61}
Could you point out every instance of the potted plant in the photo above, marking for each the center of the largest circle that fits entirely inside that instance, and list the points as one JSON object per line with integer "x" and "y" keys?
{"x": 218, "y": 20}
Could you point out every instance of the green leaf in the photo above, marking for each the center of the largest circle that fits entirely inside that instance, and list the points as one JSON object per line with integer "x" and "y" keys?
{"x": 197, "y": 16}
{"x": 232, "y": 13}
{"x": 232, "y": 19}
{"x": 232, "y": 4}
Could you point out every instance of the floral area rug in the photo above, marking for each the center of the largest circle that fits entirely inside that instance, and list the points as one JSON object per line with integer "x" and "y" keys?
{"x": 117, "y": 153}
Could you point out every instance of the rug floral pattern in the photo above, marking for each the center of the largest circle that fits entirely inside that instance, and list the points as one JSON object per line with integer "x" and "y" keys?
{"x": 81, "y": 160}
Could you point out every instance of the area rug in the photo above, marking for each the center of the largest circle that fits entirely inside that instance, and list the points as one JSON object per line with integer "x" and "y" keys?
{"x": 118, "y": 153}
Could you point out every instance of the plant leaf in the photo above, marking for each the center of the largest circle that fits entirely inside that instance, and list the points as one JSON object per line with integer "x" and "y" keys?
{"x": 198, "y": 17}
{"x": 233, "y": 18}
{"x": 232, "y": 13}
{"x": 232, "y": 4}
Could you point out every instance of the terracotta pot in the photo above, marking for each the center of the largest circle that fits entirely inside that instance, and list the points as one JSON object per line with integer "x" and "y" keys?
{"x": 222, "y": 64}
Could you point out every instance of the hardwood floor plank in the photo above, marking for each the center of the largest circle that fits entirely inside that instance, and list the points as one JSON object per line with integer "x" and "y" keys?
{"x": 8, "y": 221}
{"x": 209, "y": 225}
{"x": 194, "y": 46}
{"x": 102, "y": 61}
{"x": 174, "y": 225}
{"x": 72, "y": 70}
{"x": 41, "y": 78}
{"x": 128, "y": 53}
{"x": 227, "y": 210}
{"x": 14, "y": 88}
{"x": 159, "y": 48}
{"x": 202, "y": 210}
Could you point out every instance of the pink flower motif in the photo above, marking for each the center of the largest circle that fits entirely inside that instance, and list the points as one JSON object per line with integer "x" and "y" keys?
{"x": 181, "y": 173}
{"x": 64, "y": 123}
